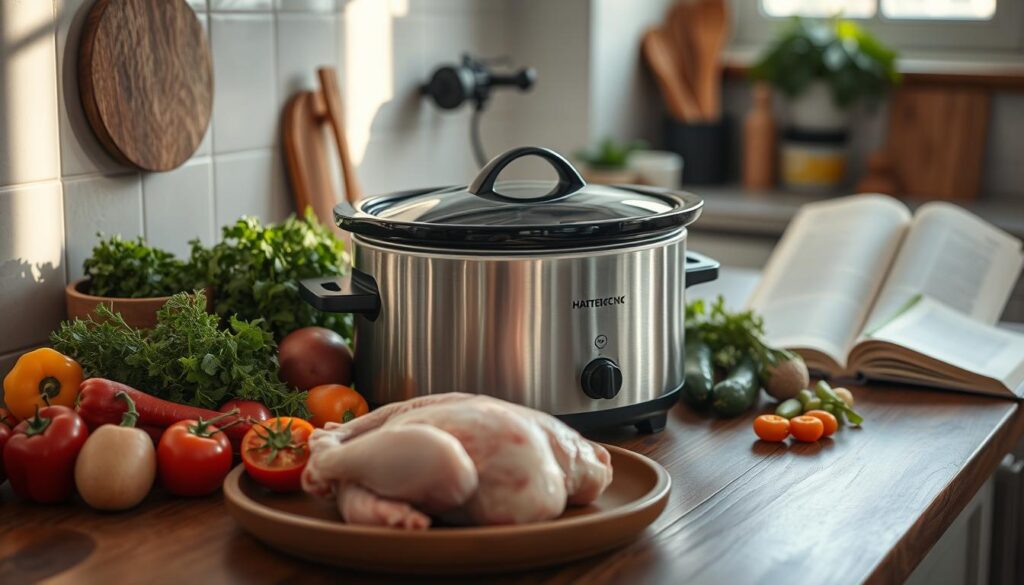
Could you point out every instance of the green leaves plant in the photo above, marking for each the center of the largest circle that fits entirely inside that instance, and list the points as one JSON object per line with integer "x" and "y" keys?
{"x": 610, "y": 154}
{"x": 839, "y": 52}
{"x": 255, "y": 271}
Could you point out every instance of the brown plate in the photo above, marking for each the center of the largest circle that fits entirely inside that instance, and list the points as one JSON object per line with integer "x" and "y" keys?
{"x": 309, "y": 527}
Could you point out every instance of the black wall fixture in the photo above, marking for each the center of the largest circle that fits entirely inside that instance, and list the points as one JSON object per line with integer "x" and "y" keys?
{"x": 451, "y": 86}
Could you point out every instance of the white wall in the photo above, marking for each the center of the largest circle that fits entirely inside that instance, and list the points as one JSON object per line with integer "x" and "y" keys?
{"x": 58, "y": 187}
{"x": 624, "y": 102}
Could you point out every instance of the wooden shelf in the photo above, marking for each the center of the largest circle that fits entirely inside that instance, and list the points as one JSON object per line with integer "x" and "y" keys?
{"x": 998, "y": 74}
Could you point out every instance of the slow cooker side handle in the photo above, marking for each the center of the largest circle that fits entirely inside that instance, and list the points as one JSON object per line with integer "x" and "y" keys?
{"x": 355, "y": 293}
{"x": 700, "y": 268}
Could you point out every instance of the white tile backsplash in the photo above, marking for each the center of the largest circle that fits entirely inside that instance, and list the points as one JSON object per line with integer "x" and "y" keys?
{"x": 250, "y": 183}
{"x": 7, "y": 362}
{"x": 178, "y": 206}
{"x": 31, "y": 264}
{"x": 109, "y": 205}
{"x": 304, "y": 43}
{"x": 323, "y": 6}
{"x": 28, "y": 102}
{"x": 241, "y": 5}
{"x": 245, "y": 107}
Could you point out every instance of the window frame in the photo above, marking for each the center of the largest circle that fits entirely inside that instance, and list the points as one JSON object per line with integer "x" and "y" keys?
{"x": 1003, "y": 33}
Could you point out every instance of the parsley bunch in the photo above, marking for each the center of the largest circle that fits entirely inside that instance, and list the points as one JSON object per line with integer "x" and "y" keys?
{"x": 130, "y": 268}
{"x": 186, "y": 358}
{"x": 255, "y": 271}
{"x": 732, "y": 335}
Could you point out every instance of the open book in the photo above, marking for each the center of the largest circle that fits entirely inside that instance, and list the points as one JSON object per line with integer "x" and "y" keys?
{"x": 861, "y": 288}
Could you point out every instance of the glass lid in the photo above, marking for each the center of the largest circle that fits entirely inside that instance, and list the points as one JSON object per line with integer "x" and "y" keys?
{"x": 494, "y": 214}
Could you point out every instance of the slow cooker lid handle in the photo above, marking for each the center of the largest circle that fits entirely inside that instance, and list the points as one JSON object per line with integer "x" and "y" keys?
{"x": 569, "y": 179}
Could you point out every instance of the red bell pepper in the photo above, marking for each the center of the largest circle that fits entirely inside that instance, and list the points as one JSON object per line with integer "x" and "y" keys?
{"x": 7, "y": 424}
{"x": 98, "y": 405}
{"x": 40, "y": 456}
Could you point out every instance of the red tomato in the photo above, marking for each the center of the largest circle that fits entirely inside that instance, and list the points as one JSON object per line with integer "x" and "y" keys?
{"x": 275, "y": 453}
{"x": 247, "y": 409}
{"x": 40, "y": 454}
{"x": 193, "y": 457}
{"x": 334, "y": 403}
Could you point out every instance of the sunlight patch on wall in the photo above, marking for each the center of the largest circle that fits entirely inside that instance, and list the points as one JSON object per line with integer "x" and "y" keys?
{"x": 369, "y": 66}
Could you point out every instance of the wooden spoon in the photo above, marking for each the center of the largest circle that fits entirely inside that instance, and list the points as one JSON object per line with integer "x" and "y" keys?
{"x": 678, "y": 24}
{"x": 658, "y": 52}
{"x": 332, "y": 99}
{"x": 710, "y": 27}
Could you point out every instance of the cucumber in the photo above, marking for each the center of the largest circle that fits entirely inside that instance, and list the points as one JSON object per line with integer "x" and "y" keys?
{"x": 700, "y": 373}
{"x": 737, "y": 392}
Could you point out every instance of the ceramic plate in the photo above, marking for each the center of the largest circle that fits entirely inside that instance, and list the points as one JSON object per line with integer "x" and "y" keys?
{"x": 311, "y": 528}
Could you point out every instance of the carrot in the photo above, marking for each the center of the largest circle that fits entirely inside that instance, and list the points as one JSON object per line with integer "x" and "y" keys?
{"x": 98, "y": 405}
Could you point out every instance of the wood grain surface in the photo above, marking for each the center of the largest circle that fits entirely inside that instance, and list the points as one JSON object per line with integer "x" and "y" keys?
{"x": 146, "y": 80}
{"x": 864, "y": 507}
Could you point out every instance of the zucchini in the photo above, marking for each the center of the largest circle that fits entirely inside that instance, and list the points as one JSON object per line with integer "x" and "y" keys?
{"x": 737, "y": 392}
{"x": 699, "y": 373}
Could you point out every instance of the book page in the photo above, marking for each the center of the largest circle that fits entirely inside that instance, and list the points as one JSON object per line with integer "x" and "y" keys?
{"x": 822, "y": 278}
{"x": 957, "y": 349}
{"x": 956, "y": 258}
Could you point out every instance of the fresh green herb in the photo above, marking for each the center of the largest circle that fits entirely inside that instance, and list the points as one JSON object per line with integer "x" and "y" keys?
{"x": 255, "y": 271}
{"x": 839, "y": 52}
{"x": 130, "y": 268}
{"x": 732, "y": 335}
{"x": 610, "y": 154}
{"x": 185, "y": 358}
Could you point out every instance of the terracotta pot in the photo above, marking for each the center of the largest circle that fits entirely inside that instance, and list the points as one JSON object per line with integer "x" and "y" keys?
{"x": 139, "y": 313}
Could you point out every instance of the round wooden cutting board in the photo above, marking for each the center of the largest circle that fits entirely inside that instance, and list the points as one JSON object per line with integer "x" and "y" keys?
{"x": 146, "y": 80}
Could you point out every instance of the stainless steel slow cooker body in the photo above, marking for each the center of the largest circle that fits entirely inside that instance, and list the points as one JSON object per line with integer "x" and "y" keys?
{"x": 592, "y": 333}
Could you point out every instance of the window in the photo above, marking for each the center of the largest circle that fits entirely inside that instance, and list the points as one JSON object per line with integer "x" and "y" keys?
{"x": 848, "y": 8}
{"x": 945, "y": 9}
{"x": 919, "y": 27}
{"x": 894, "y": 9}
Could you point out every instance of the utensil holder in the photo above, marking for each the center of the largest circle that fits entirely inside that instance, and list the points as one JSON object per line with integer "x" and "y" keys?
{"x": 705, "y": 149}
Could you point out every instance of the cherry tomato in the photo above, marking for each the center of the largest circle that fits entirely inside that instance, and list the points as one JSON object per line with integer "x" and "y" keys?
{"x": 806, "y": 428}
{"x": 771, "y": 427}
{"x": 275, "y": 452}
{"x": 828, "y": 421}
{"x": 194, "y": 457}
{"x": 335, "y": 403}
{"x": 247, "y": 409}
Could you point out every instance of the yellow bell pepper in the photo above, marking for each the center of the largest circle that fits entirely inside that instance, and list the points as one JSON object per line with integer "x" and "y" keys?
{"x": 39, "y": 378}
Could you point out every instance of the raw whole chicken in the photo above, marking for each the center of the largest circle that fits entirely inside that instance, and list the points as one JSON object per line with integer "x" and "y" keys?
{"x": 463, "y": 458}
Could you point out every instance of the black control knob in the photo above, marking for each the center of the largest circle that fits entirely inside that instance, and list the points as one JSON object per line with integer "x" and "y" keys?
{"x": 601, "y": 378}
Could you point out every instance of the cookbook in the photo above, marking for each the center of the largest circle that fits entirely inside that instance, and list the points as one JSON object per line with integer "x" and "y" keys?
{"x": 864, "y": 289}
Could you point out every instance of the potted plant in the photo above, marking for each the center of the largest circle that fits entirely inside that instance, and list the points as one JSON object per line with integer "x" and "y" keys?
{"x": 131, "y": 278}
{"x": 609, "y": 162}
{"x": 823, "y": 68}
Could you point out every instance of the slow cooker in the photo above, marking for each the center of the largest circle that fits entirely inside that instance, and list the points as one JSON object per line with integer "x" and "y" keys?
{"x": 568, "y": 299}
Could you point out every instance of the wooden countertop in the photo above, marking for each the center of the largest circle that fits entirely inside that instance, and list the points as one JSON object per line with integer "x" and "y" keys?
{"x": 864, "y": 507}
